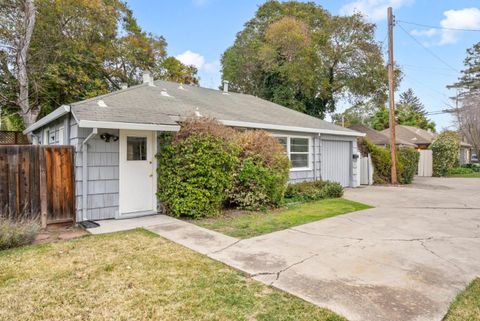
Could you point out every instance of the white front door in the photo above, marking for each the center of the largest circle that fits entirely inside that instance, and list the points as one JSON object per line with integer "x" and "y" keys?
{"x": 137, "y": 172}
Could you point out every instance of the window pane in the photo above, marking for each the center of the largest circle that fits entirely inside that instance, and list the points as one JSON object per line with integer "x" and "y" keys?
{"x": 136, "y": 148}
{"x": 283, "y": 142}
{"x": 298, "y": 145}
{"x": 299, "y": 160}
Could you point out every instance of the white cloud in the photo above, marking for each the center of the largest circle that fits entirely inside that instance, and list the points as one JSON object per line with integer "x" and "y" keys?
{"x": 191, "y": 58}
{"x": 427, "y": 33}
{"x": 468, "y": 18}
{"x": 209, "y": 71}
{"x": 373, "y": 9}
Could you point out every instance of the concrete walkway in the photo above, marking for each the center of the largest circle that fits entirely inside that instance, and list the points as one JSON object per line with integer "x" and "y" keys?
{"x": 404, "y": 260}
{"x": 189, "y": 235}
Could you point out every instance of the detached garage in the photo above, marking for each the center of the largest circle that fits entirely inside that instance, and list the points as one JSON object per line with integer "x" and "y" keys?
{"x": 116, "y": 137}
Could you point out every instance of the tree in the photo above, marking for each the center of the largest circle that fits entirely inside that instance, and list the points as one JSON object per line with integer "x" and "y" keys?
{"x": 298, "y": 55}
{"x": 410, "y": 111}
{"x": 357, "y": 114}
{"x": 380, "y": 119}
{"x": 18, "y": 20}
{"x": 468, "y": 118}
{"x": 172, "y": 69}
{"x": 470, "y": 76}
{"x": 81, "y": 49}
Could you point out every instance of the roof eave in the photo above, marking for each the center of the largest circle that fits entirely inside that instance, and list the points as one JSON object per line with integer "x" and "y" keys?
{"x": 57, "y": 113}
{"x": 235, "y": 123}
{"x": 125, "y": 125}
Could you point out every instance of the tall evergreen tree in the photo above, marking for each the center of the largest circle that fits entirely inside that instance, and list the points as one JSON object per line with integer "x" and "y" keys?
{"x": 470, "y": 76}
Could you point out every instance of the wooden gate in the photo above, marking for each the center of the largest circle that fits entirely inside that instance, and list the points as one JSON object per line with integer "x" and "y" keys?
{"x": 37, "y": 182}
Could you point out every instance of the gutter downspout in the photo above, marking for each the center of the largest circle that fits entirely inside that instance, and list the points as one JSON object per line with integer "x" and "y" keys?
{"x": 85, "y": 172}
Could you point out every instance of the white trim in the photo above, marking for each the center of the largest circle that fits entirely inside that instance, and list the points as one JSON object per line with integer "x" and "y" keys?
{"x": 309, "y": 153}
{"x": 122, "y": 125}
{"x": 235, "y": 123}
{"x": 57, "y": 113}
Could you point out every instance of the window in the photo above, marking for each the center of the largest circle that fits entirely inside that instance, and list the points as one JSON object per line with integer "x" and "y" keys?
{"x": 136, "y": 148}
{"x": 45, "y": 136}
{"x": 297, "y": 149}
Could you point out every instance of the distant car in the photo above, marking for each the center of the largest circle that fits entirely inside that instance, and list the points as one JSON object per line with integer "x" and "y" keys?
{"x": 475, "y": 158}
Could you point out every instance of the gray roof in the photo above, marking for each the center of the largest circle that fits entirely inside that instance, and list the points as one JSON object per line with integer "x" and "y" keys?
{"x": 379, "y": 138}
{"x": 165, "y": 102}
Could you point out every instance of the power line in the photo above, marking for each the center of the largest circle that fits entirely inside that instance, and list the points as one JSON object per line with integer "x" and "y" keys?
{"x": 428, "y": 50}
{"x": 436, "y": 27}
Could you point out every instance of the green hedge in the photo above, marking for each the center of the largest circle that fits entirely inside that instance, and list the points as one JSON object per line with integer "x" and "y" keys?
{"x": 445, "y": 150}
{"x": 407, "y": 162}
{"x": 312, "y": 191}
{"x": 194, "y": 175}
{"x": 207, "y": 165}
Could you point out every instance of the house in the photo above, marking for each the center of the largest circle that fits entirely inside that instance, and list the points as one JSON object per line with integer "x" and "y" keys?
{"x": 423, "y": 138}
{"x": 379, "y": 138}
{"x": 115, "y": 137}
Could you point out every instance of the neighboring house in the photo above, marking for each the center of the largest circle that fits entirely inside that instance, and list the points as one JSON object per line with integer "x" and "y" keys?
{"x": 423, "y": 138}
{"x": 115, "y": 136}
{"x": 379, "y": 138}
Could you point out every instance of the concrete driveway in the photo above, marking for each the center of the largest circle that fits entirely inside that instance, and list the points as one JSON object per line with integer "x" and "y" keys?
{"x": 406, "y": 259}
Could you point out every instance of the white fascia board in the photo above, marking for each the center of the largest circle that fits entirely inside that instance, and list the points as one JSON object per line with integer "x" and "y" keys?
{"x": 57, "y": 113}
{"x": 235, "y": 123}
{"x": 122, "y": 125}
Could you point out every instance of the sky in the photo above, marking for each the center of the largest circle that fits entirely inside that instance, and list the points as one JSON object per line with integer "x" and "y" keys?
{"x": 199, "y": 31}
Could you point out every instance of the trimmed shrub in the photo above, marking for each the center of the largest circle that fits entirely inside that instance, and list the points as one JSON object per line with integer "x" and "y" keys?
{"x": 407, "y": 162}
{"x": 473, "y": 167}
{"x": 381, "y": 159}
{"x": 195, "y": 173}
{"x": 312, "y": 191}
{"x": 206, "y": 165}
{"x": 445, "y": 149}
{"x": 261, "y": 178}
{"x": 407, "y": 158}
{"x": 460, "y": 171}
{"x": 15, "y": 234}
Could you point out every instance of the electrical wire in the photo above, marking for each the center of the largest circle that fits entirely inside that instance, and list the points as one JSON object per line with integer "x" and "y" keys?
{"x": 436, "y": 27}
{"x": 428, "y": 50}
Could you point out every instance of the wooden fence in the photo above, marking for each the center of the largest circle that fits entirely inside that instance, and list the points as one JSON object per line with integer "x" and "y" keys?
{"x": 13, "y": 138}
{"x": 37, "y": 182}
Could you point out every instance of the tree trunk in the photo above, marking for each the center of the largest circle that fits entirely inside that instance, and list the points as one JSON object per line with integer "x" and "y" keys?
{"x": 29, "y": 115}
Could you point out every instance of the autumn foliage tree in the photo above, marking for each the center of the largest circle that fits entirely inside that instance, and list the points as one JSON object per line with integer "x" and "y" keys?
{"x": 300, "y": 56}
{"x": 78, "y": 49}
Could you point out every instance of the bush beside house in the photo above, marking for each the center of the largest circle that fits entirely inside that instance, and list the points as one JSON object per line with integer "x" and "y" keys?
{"x": 313, "y": 191}
{"x": 208, "y": 165}
{"x": 445, "y": 149}
{"x": 407, "y": 162}
{"x": 262, "y": 175}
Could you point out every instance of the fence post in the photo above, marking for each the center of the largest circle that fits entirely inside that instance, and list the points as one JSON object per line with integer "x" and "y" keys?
{"x": 43, "y": 189}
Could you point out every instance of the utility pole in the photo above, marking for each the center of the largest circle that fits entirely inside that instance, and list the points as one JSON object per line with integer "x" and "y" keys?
{"x": 391, "y": 90}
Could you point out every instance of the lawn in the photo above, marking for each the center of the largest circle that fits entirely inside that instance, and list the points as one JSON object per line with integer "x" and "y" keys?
{"x": 466, "y": 306}
{"x": 249, "y": 224}
{"x": 135, "y": 275}
{"x": 469, "y": 175}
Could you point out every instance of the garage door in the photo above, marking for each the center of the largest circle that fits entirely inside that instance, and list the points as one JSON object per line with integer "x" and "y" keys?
{"x": 336, "y": 158}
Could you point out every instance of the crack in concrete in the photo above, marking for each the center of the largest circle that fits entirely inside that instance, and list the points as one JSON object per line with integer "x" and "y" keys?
{"x": 278, "y": 273}
{"x": 440, "y": 257}
{"x": 227, "y": 247}
{"x": 327, "y": 235}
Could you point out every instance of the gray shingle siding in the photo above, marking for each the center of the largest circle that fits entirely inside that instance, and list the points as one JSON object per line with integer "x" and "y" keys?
{"x": 103, "y": 173}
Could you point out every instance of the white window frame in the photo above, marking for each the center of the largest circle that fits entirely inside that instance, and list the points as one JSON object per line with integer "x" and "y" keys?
{"x": 310, "y": 148}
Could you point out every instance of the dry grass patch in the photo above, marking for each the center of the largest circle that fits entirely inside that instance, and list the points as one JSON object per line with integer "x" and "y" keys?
{"x": 135, "y": 276}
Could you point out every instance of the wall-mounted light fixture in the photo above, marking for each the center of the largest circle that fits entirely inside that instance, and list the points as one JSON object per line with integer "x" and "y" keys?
{"x": 107, "y": 137}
